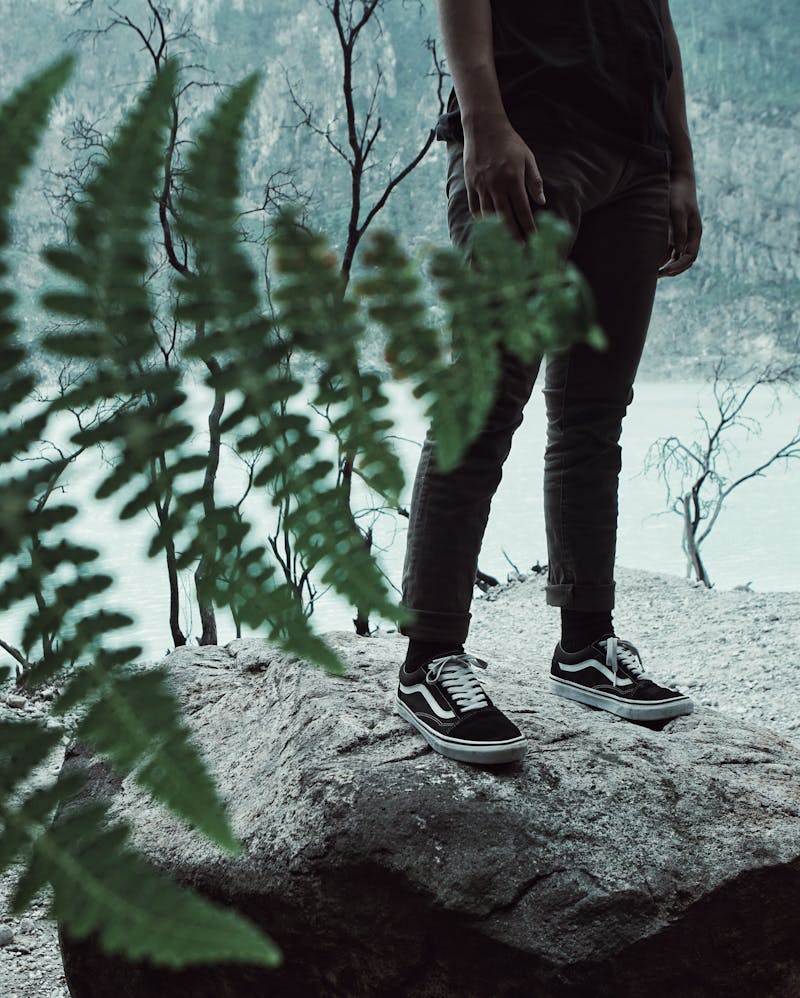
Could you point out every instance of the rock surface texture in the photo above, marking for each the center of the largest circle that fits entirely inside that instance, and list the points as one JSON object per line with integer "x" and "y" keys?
{"x": 614, "y": 860}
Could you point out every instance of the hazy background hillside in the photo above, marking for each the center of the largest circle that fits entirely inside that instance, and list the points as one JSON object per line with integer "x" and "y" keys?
{"x": 742, "y": 73}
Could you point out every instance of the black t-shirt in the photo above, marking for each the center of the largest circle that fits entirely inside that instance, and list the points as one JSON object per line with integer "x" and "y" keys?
{"x": 599, "y": 67}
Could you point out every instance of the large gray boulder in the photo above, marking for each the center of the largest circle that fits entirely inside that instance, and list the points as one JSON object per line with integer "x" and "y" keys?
{"x": 614, "y": 860}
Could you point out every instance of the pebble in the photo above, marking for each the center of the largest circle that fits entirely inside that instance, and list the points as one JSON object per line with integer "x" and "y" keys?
{"x": 6, "y": 935}
{"x": 27, "y": 925}
{"x": 16, "y": 701}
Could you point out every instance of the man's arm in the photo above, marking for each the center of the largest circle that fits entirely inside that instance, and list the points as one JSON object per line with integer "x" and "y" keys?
{"x": 685, "y": 228}
{"x": 680, "y": 143}
{"x": 466, "y": 29}
{"x": 500, "y": 171}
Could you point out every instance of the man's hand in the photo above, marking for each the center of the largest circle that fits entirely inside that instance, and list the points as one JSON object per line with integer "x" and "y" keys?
{"x": 685, "y": 227}
{"x": 501, "y": 175}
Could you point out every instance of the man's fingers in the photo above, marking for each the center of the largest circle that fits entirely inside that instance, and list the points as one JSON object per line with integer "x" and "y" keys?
{"x": 679, "y": 232}
{"x": 675, "y": 267}
{"x": 684, "y": 244}
{"x": 499, "y": 203}
{"x": 484, "y": 204}
{"x": 521, "y": 206}
{"x": 692, "y": 247}
{"x": 533, "y": 182}
{"x": 479, "y": 204}
{"x": 695, "y": 232}
{"x": 503, "y": 206}
{"x": 670, "y": 247}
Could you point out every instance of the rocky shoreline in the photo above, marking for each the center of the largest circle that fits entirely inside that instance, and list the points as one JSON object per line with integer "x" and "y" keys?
{"x": 737, "y": 652}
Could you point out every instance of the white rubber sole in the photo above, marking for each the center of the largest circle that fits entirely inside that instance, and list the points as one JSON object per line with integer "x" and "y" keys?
{"x": 660, "y": 710}
{"x": 484, "y": 753}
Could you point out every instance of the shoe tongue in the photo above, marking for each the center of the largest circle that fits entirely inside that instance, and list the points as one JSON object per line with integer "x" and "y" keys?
{"x": 621, "y": 664}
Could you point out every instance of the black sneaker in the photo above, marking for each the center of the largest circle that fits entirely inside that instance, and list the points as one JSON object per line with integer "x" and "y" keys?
{"x": 608, "y": 673}
{"x": 446, "y": 702}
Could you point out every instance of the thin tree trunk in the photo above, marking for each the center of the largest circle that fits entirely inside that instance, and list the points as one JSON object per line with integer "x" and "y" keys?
{"x": 41, "y": 603}
{"x": 178, "y": 637}
{"x": 208, "y": 618}
{"x": 162, "y": 512}
{"x": 690, "y": 547}
{"x": 361, "y": 620}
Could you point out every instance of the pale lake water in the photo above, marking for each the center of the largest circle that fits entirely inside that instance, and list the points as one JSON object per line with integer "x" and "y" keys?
{"x": 756, "y": 538}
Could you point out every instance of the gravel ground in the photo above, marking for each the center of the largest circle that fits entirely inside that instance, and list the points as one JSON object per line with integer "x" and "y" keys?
{"x": 30, "y": 960}
{"x": 734, "y": 651}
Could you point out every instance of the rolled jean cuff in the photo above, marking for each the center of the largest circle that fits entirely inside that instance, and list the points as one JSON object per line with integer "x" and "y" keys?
{"x": 591, "y": 598}
{"x": 432, "y": 626}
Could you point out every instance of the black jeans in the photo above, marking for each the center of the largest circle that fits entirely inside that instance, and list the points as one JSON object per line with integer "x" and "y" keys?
{"x": 618, "y": 206}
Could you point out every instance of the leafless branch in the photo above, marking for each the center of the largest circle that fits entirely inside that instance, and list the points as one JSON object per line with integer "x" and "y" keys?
{"x": 700, "y": 460}
{"x": 15, "y": 653}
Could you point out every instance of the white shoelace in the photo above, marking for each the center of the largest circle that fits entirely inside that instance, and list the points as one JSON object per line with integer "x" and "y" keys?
{"x": 617, "y": 651}
{"x": 456, "y": 676}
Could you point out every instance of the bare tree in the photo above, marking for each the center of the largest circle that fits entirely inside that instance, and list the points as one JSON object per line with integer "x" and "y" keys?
{"x": 355, "y": 147}
{"x": 354, "y": 143}
{"x": 58, "y": 460}
{"x": 703, "y": 488}
{"x": 159, "y": 34}
{"x": 158, "y": 37}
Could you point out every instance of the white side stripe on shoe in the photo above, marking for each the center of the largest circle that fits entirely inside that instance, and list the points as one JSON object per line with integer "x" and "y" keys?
{"x": 600, "y": 666}
{"x": 446, "y": 715}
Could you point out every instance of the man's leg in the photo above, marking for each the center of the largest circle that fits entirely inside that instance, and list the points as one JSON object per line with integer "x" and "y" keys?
{"x": 619, "y": 247}
{"x": 449, "y": 512}
{"x": 438, "y": 690}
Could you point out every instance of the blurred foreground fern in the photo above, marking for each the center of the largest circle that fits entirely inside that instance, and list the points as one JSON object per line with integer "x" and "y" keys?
{"x": 528, "y": 301}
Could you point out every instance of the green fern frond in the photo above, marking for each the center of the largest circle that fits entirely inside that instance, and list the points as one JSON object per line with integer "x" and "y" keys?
{"x": 109, "y": 257}
{"x": 327, "y": 323}
{"x": 16, "y": 517}
{"x": 541, "y": 300}
{"x": 23, "y": 746}
{"x": 460, "y": 383}
{"x": 42, "y": 562}
{"x": 99, "y": 885}
{"x": 136, "y": 723}
{"x": 319, "y": 517}
{"x": 392, "y": 291}
{"x": 221, "y": 295}
{"x": 528, "y": 300}
{"x": 16, "y": 440}
{"x": 223, "y": 288}
{"x": 247, "y": 583}
{"x": 107, "y": 266}
{"x": 22, "y": 120}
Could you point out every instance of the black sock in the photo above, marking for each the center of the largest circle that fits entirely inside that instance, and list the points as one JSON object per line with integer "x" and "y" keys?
{"x": 420, "y": 652}
{"x": 580, "y": 628}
